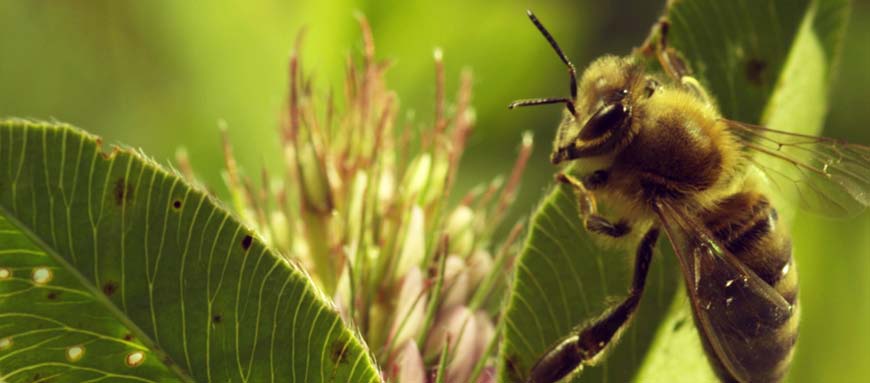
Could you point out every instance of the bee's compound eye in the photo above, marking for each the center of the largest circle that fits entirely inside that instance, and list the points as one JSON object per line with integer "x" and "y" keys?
{"x": 619, "y": 95}
{"x": 609, "y": 117}
{"x": 615, "y": 96}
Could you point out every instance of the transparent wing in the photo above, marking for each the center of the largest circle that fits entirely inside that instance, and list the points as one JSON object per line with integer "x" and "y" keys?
{"x": 733, "y": 306}
{"x": 825, "y": 176}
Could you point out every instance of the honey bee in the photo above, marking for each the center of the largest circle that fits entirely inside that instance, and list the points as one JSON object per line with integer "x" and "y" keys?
{"x": 655, "y": 148}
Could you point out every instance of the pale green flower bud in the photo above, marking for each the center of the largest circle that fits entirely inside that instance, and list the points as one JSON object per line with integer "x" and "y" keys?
{"x": 386, "y": 187}
{"x": 414, "y": 246}
{"x": 417, "y": 176}
{"x": 355, "y": 211}
{"x": 461, "y": 231}
{"x": 437, "y": 178}
{"x": 315, "y": 183}
{"x": 280, "y": 228}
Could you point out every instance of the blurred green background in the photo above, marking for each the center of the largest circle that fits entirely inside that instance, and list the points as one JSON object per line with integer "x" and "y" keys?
{"x": 160, "y": 74}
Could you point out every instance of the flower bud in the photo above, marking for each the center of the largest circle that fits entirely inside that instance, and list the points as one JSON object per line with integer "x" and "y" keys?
{"x": 281, "y": 229}
{"x": 437, "y": 177}
{"x": 355, "y": 211}
{"x": 315, "y": 184}
{"x": 410, "y": 308}
{"x": 417, "y": 176}
{"x": 414, "y": 246}
{"x": 456, "y": 283}
{"x": 479, "y": 266}
{"x": 386, "y": 187}
{"x": 448, "y": 324}
{"x": 460, "y": 229}
{"x": 408, "y": 366}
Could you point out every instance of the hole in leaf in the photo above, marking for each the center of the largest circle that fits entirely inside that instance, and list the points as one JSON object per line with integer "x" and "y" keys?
{"x": 246, "y": 242}
{"x": 42, "y": 275}
{"x": 134, "y": 359}
{"x": 75, "y": 353}
{"x": 176, "y": 204}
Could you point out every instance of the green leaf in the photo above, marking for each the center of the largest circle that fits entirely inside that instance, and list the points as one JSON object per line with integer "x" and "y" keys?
{"x": 765, "y": 62}
{"x": 113, "y": 268}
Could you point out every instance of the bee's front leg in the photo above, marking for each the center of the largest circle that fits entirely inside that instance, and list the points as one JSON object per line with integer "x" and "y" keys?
{"x": 585, "y": 344}
{"x": 589, "y": 207}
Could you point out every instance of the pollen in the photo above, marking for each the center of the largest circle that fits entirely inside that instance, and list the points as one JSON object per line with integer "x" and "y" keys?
{"x": 5, "y": 273}
{"x": 42, "y": 275}
{"x": 5, "y": 343}
{"x": 75, "y": 353}
{"x": 134, "y": 359}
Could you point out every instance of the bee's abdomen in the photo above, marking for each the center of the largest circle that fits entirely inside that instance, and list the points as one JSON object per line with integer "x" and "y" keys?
{"x": 747, "y": 225}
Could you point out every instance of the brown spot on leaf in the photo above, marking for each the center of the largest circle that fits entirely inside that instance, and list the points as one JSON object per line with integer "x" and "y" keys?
{"x": 679, "y": 324}
{"x": 109, "y": 288}
{"x": 514, "y": 374}
{"x": 755, "y": 71}
{"x": 336, "y": 350}
{"x": 52, "y": 295}
{"x": 217, "y": 318}
{"x": 123, "y": 192}
{"x": 128, "y": 337}
{"x": 246, "y": 242}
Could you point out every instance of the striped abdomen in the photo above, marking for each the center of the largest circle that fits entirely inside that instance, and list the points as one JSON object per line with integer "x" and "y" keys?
{"x": 746, "y": 224}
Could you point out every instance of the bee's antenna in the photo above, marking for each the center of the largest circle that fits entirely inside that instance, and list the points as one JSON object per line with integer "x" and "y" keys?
{"x": 571, "y": 70}
{"x": 543, "y": 101}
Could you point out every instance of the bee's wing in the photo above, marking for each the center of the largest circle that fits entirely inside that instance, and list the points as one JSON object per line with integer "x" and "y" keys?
{"x": 732, "y": 305}
{"x": 827, "y": 176}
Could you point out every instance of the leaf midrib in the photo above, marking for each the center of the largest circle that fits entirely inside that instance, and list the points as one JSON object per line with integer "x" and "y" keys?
{"x": 98, "y": 295}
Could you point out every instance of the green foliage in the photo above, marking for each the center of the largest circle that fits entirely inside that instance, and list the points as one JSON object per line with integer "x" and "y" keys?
{"x": 113, "y": 268}
{"x": 767, "y": 63}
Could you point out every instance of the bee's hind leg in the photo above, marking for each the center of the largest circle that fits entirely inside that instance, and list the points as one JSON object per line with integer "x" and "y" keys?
{"x": 589, "y": 207}
{"x": 585, "y": 344}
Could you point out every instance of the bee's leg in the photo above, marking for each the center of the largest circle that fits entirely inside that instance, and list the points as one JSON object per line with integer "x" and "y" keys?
{"x": 671, "y": 59}
{"x": 584, "y": 345}
{"x": 589, "y": 208}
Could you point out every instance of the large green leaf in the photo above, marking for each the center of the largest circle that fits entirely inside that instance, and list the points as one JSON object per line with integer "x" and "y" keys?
{"x": 767, "y": 62}
{"x": 114, "y": 269}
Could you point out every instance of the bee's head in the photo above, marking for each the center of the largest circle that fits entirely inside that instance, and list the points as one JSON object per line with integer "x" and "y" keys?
{"x": 597, "y": 119}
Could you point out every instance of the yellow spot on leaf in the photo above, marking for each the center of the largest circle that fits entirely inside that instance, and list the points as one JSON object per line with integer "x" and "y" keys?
{"x": 5, "y": 343}
{"x": 135, "y": 358}
{"x": 42, "y": 275}
{"x": 75, "y": 353}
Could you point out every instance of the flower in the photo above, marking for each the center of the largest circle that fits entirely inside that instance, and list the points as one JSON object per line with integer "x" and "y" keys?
{"x": 362, "y": 205}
